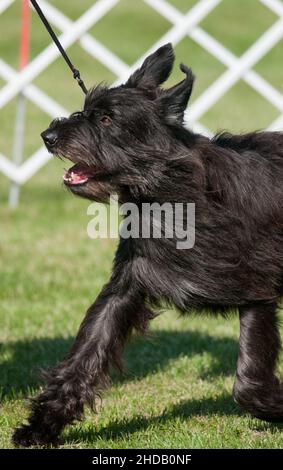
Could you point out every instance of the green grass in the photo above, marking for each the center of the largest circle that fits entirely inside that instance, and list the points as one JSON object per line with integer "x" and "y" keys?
{"x": 177, "y": 389}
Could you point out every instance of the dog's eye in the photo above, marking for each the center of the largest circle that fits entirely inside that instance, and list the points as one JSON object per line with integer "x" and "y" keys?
{"x": 106, "y": 120}
{"x": 77, "y": 115}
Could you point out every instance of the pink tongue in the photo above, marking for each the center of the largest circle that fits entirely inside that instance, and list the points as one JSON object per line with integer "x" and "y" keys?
{"x": 72, "y": 177}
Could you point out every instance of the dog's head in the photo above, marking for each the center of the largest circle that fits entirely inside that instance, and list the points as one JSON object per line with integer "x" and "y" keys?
{"x": 119, "y": 142}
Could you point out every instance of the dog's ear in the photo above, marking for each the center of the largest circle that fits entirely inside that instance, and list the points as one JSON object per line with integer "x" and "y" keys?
{"x": 173, "y": 101}
{"x": 155, "y": 69}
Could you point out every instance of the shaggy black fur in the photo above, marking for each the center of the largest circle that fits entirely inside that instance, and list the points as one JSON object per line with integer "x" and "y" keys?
{"x": 130, "y": 140}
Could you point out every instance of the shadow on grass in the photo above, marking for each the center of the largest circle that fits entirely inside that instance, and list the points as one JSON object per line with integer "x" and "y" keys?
{"x": 185, "y": 410}
{"x": 222, "y": 406}
{"x": 22, "y": 359}
{"x": 143, "y": 357}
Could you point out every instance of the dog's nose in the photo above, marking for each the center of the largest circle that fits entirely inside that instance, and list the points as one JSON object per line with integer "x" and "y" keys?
{"x": 50, "y": 137}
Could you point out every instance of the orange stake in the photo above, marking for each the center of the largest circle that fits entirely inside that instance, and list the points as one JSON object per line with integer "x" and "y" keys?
{"x": 25, "y": 34}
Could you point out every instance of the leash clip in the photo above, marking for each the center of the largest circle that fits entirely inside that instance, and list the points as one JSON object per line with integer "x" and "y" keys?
{"x": 77, "y": 76}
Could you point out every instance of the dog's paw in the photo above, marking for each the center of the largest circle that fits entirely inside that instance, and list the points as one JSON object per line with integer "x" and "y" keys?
{"x": 27, "y": 436}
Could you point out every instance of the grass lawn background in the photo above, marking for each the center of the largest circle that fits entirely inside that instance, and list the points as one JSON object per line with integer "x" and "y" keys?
{"x": 177, "y": 389}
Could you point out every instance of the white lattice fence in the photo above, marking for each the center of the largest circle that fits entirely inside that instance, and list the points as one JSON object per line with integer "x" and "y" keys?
{"x": 182, "y": 25}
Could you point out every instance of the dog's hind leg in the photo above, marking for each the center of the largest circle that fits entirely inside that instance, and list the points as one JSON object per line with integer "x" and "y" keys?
{"x": 257, "y": 389}
{"x": 84, "y": 372}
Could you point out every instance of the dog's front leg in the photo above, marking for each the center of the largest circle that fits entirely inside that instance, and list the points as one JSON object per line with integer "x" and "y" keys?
{"x": 84, "y": 372}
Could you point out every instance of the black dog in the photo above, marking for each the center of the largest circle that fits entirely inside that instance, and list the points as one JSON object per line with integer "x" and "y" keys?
{"x": 130, "y": 140}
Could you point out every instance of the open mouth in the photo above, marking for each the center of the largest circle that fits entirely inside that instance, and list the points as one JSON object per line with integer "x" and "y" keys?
{"x": 78, "y": 174}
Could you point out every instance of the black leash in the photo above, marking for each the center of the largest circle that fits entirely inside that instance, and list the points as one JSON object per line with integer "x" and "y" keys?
{"x": 76, "y": 73}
